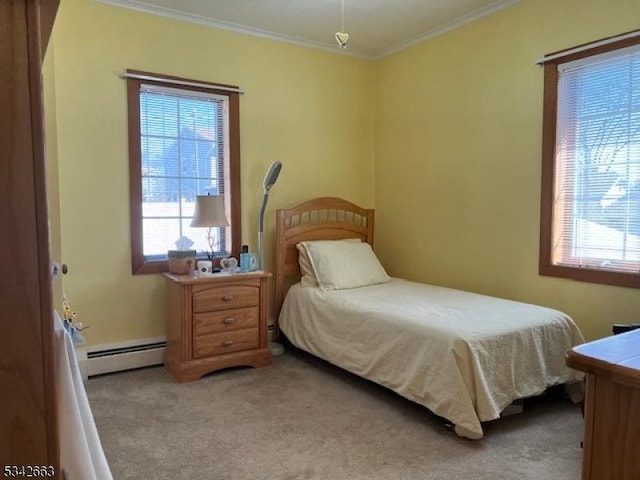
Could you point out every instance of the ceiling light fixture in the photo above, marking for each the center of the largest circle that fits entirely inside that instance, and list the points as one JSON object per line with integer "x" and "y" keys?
{"x": 342, "y": 37}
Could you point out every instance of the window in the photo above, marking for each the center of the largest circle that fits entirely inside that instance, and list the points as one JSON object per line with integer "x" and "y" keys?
{"x": 590, "y": 210}
{"x": 184, "y": 141}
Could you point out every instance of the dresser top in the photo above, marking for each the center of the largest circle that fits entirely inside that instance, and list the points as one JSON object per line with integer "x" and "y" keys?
{"x": 617, "y": 357}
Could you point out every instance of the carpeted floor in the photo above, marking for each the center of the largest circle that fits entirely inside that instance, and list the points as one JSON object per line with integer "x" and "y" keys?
{"x": 305, "y": 419}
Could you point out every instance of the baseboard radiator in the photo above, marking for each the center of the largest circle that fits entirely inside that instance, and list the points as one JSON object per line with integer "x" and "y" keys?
{"x": 116, "y": 357}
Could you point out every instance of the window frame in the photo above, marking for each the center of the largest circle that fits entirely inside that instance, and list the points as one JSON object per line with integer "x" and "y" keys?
{"x": 549, "y": 127}
{"x": 139, "y": 264}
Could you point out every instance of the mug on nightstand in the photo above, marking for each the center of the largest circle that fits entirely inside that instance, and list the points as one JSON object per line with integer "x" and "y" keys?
{"x": 248, "y": 262}
{"x": 204, "y": 268}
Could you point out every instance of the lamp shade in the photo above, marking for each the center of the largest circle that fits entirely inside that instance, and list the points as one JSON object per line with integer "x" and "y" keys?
{"x": 209, "y": 212}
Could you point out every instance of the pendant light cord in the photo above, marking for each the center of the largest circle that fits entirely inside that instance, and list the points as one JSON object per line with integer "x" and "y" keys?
{"x": 342, "y": 29}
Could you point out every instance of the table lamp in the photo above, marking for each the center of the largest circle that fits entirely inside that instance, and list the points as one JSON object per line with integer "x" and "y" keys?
{"x": 209, "y": 212}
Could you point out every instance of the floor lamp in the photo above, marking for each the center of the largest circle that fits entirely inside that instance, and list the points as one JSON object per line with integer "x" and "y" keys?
{"x": 269, "y": 180}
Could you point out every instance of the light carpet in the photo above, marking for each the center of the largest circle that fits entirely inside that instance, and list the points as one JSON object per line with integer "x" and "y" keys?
{"x": 305, "y": 419}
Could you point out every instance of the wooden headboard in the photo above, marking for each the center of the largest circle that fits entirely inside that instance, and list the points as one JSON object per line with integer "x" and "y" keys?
{"x": 324, "y": 218}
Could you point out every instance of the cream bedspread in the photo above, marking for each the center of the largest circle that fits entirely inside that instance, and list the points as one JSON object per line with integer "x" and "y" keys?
{"x": 462, "y": 355}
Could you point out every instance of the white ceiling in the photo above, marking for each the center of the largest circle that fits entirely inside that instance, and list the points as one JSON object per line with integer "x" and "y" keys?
{"x": 376, "y": 27}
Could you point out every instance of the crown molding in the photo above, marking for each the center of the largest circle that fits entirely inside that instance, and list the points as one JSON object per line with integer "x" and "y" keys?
{"x": 459, "y": 22}
{"x": 144, "y": 7}
{"x": 232, "y": 27}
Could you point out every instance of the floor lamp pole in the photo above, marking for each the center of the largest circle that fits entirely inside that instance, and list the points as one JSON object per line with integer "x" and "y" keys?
{"x": 269, "y": 180}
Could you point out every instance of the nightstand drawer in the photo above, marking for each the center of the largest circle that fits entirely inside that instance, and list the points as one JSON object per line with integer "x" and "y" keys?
{"x": 221, "y": 343}
{"x": 225, "y": 320}
{"x": 225, "y": 296}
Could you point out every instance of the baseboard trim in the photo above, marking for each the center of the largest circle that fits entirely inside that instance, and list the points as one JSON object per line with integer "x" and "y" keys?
{"x": 115, "y": 357}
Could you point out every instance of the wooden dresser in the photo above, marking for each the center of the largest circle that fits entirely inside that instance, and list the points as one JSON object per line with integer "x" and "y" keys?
{"x": 612, "y": 406}
{"x": 216, "y": 322}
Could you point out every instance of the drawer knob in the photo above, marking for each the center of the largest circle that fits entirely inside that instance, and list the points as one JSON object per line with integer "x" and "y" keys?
{"x": 227, "y": 298}
{"x": 227, "y": 343}
{"x": 229, "y": 320}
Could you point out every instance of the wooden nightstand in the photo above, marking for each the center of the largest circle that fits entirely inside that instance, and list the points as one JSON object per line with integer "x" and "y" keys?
{"x": 216, "y": 322}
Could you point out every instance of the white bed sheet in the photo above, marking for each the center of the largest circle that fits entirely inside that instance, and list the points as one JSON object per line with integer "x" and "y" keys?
{"x": 462, "y": 355}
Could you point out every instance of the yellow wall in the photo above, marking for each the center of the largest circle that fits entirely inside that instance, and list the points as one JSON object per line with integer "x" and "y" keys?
{"x": 456, "y": 132}
{"x": 311, "y": 110}
{"x": 457, "y": 164}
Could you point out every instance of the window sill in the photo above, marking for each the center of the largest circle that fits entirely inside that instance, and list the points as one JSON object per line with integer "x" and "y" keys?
{"x": 147, "y": 267}
{"x": 630, "y": 280}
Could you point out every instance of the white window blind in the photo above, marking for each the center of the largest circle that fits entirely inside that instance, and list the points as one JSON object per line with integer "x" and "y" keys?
{"x": 183, "y": 138}
{"x": 596, "y": 209}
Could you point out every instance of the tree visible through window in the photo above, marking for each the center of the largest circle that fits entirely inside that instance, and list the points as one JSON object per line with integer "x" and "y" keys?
{"x": 590, "y": 227}
{"x": 183, "y": 143}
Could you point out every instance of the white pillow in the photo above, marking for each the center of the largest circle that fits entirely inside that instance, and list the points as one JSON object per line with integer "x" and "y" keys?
{"x": 308, "y": 278}
{"x": 342, "y": 265}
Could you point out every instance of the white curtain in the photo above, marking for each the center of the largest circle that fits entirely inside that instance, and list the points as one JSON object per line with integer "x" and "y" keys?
{"x": 81, "y": 454}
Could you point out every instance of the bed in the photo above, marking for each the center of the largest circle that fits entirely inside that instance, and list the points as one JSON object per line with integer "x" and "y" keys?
{"x": 464, "y": 356}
